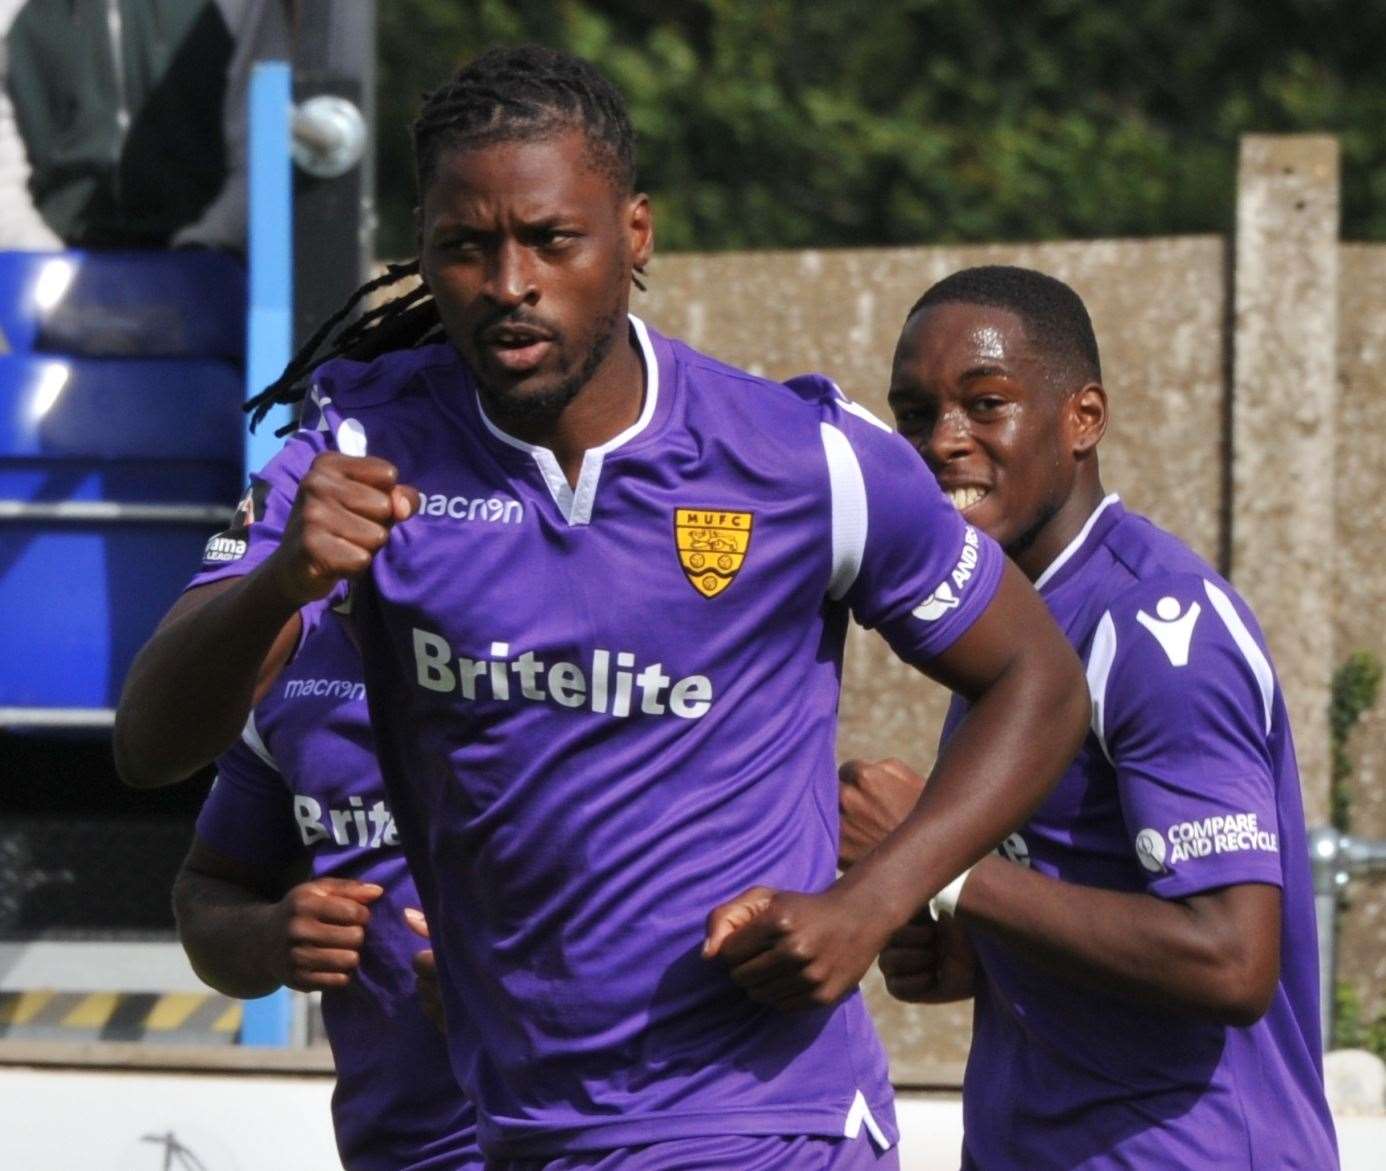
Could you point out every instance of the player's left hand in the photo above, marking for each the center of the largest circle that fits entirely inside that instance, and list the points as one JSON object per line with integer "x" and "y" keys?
{"x": 426, "y": 971}
{"x": 791, "y": 950}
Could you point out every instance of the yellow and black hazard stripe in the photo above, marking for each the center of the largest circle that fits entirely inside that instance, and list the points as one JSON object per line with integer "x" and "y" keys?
{"x": 173, "y": 1017}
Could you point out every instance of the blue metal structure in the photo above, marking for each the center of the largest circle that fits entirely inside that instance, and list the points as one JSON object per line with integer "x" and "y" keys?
{"x": 269, "y": 1020}
{"x": 120, "y": 451}
{"x": 269, "y": 341}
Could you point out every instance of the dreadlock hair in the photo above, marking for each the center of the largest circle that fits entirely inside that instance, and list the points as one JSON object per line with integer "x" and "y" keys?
{"x": 523, "y": 94}
{"x": 1054, "y": 316}
{"x": 505, "y": 95}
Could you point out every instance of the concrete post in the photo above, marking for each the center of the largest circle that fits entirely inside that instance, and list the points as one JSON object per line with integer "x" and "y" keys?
{"x": 1283, "y": 408}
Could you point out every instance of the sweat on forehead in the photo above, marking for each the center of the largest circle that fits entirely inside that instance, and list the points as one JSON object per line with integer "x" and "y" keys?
{"x": 1055, "y": 319}
{"x": 521, "y": 95}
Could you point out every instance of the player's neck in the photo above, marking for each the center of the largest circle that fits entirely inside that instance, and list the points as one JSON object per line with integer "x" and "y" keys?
{"x": 609, "y": 403}
{"x": 1062, "y": 528}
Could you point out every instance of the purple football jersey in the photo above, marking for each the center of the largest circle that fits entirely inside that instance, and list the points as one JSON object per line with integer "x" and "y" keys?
{"x": 1186, "y": 782}
{"x": 304, "y": 778}
{"x": 602, "y": 709}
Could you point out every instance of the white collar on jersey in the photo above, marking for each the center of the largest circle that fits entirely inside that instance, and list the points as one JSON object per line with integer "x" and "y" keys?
{"x": 1074, "y": 545}
{"x": 575, "y": 501}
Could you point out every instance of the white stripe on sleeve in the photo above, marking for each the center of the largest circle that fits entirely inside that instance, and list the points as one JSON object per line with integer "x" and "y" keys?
{"x": 250, "y": 736}
{"x": 848, "y": 490}
{"x": 1100, "y": 660}
{"x": 1255, "y": 657}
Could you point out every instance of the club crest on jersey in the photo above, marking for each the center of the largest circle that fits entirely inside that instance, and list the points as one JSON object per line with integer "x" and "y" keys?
{"x": 712, "y": 545}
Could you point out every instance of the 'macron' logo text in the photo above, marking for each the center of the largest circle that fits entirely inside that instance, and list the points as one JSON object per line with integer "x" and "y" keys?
{"x": 487, "y": 509}
{"x": 611, "y": 683}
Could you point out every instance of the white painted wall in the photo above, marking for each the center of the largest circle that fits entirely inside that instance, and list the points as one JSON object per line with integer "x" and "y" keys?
{"x": 63, "y": 1120}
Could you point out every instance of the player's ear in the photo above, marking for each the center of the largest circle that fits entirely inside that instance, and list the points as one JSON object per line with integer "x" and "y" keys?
{"x": 640, "y": 226}
{"x": 1087, "y": 418}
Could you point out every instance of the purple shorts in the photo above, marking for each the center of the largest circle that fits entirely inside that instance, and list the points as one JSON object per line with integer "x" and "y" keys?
{"x": 724, "y": 1153}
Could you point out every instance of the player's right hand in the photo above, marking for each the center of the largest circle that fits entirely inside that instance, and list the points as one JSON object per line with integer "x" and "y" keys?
{"x": 872, "y": 799}
{"x": 317, "y": 931}
{"x": 342, "y": 516}
{"x": 929, "y": 963}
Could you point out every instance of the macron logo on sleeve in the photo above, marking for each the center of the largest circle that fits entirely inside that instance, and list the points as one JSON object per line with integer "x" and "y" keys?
{"x": 1173, "y": 628}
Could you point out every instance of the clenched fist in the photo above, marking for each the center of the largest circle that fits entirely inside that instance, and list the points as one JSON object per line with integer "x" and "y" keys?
{"x": 342, "y": 516}
{"x": 872, "y": 799}
{"x": 791, "y": 950}
{"x": 929, "y": 963}
{"x": 316, "y": 932}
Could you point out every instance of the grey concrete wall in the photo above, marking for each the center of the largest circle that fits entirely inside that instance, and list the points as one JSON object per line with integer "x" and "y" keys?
{"x": 1357, "y": 592}
{"x": 1284, "y": 422}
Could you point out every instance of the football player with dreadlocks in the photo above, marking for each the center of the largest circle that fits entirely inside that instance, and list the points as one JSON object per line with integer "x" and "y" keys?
{"x": 601, "y": 584}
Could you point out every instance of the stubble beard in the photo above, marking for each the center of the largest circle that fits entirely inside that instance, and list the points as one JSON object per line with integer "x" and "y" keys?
{"x": 506, "y": 406}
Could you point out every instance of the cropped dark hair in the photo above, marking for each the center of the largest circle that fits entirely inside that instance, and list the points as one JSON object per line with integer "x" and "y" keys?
{"x": 504, "y": 95}
{"x": 1054, "y": 316}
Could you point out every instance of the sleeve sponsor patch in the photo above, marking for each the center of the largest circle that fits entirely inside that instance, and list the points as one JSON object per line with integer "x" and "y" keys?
{"x": 949, "y": 596}
{"x": 231, "y": 543}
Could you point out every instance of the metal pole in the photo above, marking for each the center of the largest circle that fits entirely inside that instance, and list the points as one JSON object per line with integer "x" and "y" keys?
{"x": 1336, "y": 859}
{"x": 268, "y": 1021}
{"x": 269, "y": 336}
{"x": 334, "y": 187}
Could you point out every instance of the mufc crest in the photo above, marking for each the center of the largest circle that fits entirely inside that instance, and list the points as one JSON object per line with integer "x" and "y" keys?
{"x": 712, "y": 545}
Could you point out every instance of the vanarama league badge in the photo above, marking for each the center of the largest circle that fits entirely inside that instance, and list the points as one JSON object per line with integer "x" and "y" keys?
{"x": 712, "y": 545}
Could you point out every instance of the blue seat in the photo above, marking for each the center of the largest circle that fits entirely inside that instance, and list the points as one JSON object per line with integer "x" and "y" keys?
{"x": 120, "y": 430}
{"x": 81, "y": 587}
{"x": 151, "y": 304}
{"x": 60, "y": 408}
{"x": 79, "y": 599}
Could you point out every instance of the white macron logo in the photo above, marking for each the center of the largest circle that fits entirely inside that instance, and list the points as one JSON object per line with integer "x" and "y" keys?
{"x": 486, "y": 509}
{"x": 943, "y": 599}
{"x": 1172, "y": 629}
{"x": 330, "y": 688}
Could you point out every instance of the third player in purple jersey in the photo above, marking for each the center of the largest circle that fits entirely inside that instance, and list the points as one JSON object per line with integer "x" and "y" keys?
{"x": 1151, "y": 1001}
{"x": 303, "y": 784}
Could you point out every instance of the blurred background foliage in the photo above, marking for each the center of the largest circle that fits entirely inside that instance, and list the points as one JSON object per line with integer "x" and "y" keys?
{"x": 769, "y": 123}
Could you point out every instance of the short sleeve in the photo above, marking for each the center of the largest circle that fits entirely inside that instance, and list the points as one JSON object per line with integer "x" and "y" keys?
{"x": 904, "y": 560}
{"x": 249, "y": 814}
{"x": 258, "y": 524}
{"x": 1183, "y": 701}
